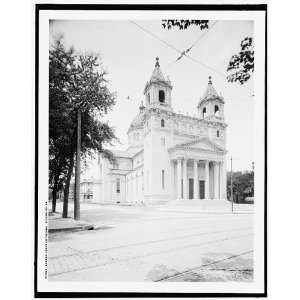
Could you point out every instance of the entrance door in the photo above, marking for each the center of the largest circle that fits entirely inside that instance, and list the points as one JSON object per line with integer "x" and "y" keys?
{"x": 202, "y": 189}
{"x": 191, "y": 188}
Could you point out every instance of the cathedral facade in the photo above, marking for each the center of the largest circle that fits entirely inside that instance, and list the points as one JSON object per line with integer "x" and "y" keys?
{"x": 169, "y": 156}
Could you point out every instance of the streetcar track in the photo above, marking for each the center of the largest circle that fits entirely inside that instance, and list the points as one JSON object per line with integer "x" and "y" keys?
{"x": 112, "y": 261}
{"x": 202, "y": 267}
{"x": 211, "y": 216}
{"x": 192, "y": 216}
{"x": 149, "y": 242}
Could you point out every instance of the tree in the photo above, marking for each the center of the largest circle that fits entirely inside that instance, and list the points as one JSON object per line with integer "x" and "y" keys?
{"x": 60, "y": 125}
{"x": 240, "y": 66}
{"x": 76, "y": 82}
{"x": 184, "y": 24}
{"x": 56, "y": 176}
{"x": 243, "y": 183}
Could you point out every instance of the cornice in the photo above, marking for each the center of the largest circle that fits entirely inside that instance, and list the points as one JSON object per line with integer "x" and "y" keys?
{"x": 187, "y": 148}
{"x": 214, "y": 98}
{"x": 157, "y": 82}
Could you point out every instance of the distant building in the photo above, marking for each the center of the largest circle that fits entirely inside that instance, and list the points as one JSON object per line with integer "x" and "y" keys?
{"x": 90, "y": 183}
{"x": 169, "y": 155}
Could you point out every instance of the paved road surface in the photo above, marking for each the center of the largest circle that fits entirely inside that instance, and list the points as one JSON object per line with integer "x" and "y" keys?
{"x": 147, "y": 244}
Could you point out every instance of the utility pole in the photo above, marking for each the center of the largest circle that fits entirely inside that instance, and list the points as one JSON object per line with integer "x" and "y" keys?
{"x": 77, "y": 170}
{"x": 231, "y": 184}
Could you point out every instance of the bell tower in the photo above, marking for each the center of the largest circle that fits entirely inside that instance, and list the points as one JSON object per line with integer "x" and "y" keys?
{"x": 157, "y": 90}
{"x": 211, "y": 105}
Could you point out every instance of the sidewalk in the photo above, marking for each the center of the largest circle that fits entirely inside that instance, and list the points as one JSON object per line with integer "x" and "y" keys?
{"x": 206, "y": 206}
{"x": 57, "y": 223}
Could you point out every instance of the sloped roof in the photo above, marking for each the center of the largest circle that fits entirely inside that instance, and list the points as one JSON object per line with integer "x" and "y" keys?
{"x": 210, "y": 93}
{"x": 158, "y": 77}
{"x": 210, "y": 90}
{"x": 157, "y": 74}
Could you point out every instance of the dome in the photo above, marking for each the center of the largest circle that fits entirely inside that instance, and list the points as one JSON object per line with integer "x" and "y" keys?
{"x": 138, "y": 120}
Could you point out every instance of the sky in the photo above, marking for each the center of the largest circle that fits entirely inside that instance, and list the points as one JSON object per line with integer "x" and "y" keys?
{"x": 128, "y": 54}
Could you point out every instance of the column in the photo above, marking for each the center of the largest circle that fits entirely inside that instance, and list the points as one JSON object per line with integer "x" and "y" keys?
{"x": 179, "y": 179}
{"x": 185, "y": 196}
{"x": 216, "y": 181}
{"x": 172, "y": 180}
{"x": 196, "y": 180}
{"x": 206, "y": 179}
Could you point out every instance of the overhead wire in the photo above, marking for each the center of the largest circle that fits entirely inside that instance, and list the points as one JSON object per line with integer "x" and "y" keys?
{"x": 191, "y": 270}
{"x": 192, "y": 46}
{"x": 186, "y": 55}
{"x": 202, "y": 35}
{"x": 155, "y": 36}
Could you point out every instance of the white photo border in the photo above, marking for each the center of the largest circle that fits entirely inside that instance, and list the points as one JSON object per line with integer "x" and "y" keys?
{"x": 45, "y": 288}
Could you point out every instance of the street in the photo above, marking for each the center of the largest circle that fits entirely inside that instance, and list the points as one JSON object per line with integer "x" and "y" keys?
{"x": 139, "y": 243}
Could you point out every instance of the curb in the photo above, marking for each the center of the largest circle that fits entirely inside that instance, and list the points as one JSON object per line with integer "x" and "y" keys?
{"x": 70, "y": 229}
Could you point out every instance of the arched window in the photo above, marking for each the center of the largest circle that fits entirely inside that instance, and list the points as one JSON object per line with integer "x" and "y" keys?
{"x": 148, "y": 98}
{"x": 161, "y": 96}
{"x": 204, "y": 112}
{"x": 217, "y": 111}
{"x": 218, "y": 133}
{"x": 162, "y": 123}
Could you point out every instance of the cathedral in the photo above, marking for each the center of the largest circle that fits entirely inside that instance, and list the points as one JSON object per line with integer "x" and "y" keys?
{"x": 169, "y": 156}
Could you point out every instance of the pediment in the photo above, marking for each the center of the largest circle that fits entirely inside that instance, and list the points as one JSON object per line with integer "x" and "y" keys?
{"x": 203, "y": 144}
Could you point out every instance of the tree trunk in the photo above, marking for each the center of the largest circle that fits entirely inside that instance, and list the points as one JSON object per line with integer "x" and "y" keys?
{"x": 67, "y": 186}
{"x": 54, "y": 192}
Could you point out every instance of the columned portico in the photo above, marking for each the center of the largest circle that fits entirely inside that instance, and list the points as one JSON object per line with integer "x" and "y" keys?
{"x": 200, "y": 172}
{"x": 199, "y": 179}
